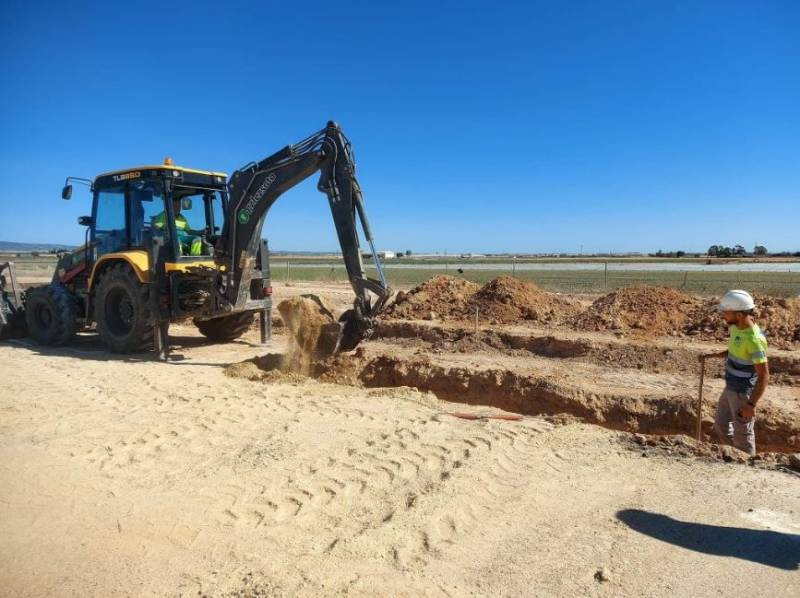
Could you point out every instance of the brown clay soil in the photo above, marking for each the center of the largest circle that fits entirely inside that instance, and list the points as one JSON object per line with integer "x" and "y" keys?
{"x": 648, "y": 309}
{"x": 778, "y": 317}
{"x": 641, "y": 311}
{"x": 663, "y": 311}
{"x": 440, "y": 297}
{"x": 506, "y": 300}
{"x": 503, "y": 300}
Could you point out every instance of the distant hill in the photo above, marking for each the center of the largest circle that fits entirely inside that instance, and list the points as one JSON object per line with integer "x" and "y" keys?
{"x": 8, "y": 246}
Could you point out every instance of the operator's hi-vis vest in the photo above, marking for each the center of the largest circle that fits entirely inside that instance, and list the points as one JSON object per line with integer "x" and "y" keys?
{"x": 160, "y": 221}
{"x": 193, "y": 244}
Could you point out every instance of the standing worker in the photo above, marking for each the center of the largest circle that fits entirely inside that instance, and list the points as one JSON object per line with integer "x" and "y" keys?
{"x": 746, "y": 372}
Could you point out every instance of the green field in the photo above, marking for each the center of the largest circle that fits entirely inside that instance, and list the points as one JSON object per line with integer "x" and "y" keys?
{"x": 782, "y": 284}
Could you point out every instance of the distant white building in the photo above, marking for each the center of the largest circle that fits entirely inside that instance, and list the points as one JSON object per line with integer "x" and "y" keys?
{"x": 384, "y": 255}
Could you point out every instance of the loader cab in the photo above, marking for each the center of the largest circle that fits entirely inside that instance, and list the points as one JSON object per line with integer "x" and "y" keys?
{"x": 181, "y": 209}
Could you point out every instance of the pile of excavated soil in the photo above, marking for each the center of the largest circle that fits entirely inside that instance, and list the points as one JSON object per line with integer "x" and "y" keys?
{"x": 779, "y": 318}
{"x": 642, "y": 309}
{"x": 506, "y": 300}
{"x": 341, "y": 369}
{"x": 648, "y": 309}
{"x": 271, "y": 369}
{"x": 440, "y": 297}
{"x": 681, "y": 445}
{"x": 245, "y": 369}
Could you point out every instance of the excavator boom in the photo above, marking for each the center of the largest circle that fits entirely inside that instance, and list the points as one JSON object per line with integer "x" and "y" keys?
{"x": 253, "y": 189}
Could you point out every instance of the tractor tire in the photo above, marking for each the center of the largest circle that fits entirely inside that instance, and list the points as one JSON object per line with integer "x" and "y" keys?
{"x": 123, "y": 311}
{"x": 51, "y": 313}
{"x": 226, "y": 328}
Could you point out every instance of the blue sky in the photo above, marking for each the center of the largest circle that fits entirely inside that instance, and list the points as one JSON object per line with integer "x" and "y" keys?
{"x": 523, "y": 127}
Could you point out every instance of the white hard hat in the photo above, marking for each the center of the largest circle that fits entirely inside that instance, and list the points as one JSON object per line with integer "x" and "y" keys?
{"x": 736, "y": 301}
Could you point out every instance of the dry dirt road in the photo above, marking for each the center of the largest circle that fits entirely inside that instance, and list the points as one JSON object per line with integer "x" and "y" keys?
{"x": 128, "y": 477}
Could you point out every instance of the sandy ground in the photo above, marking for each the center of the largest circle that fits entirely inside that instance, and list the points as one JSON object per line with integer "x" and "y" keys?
{"x": 129, "y": 477}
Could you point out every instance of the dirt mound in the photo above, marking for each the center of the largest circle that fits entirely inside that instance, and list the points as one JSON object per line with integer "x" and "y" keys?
{"x": 779, "y": 318}
{"x": 246, "y": 369}
{"x": 505, "y": 300}
{"x": 666, "y": 311}
{"x": 649, "y": 309}
{"x": 271, "y": 368}
{"x": 681, "y": 445}
{"x": 440, "y": 297}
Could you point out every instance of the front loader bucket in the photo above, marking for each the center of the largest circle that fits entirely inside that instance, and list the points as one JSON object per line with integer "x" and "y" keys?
{"x": 12, "y": 308}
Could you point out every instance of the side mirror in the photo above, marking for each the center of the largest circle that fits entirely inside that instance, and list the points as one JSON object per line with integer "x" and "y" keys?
{"x": 66, "y": 192}
{"x": 186, "y": 203}
{"x": 85, "y": 220}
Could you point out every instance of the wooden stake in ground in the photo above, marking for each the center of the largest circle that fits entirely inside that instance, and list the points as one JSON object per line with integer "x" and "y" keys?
{"x": 700, "y": 401}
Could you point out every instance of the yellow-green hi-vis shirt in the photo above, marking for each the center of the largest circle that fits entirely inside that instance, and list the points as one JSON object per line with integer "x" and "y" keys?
{"x": 746, "y": 348}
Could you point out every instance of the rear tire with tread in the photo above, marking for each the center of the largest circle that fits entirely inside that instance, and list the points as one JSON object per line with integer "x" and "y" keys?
{"x": 227, "y": 328}
{"x": 123, "y": 311}
{"x": 51, "y": 313}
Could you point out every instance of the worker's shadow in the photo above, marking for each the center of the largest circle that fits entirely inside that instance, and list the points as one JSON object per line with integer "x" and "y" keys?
{"x": 774, "y": 549}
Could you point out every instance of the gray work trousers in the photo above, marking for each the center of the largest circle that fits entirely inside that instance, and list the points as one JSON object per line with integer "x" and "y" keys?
{"x": 729, "y": 425}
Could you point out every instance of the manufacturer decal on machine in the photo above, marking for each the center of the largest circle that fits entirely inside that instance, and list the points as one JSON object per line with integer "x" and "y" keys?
{"x": 247, "y": 211}
{"x": 127, "y": 176}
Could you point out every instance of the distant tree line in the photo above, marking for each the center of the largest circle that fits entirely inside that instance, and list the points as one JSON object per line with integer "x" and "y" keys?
{"x": 661, "y": 253}
{"x": 735, "y": 251}
{"x": 725, "y": 251}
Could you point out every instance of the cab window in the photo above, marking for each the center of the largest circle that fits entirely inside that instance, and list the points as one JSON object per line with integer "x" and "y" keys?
{"x": 193, "y": 209}
{"x": 147, "y": 212}
{"x": 217, "y": 210}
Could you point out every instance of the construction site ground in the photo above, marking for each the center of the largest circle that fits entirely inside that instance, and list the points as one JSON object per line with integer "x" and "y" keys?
{"x": 123, "y": 476}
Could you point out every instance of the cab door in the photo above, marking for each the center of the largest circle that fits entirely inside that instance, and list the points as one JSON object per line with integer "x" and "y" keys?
{"x": 110, "y": 230}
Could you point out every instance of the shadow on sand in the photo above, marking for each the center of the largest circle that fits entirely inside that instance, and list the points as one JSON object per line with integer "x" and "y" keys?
{"x": 87, "y": 345}
{"x": 774, "y": 549}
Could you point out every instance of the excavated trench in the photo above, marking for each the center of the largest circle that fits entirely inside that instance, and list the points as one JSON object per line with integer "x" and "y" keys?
{"x": 533, "y": 395}
{"x": 514, "y": 390}
{"x": 526, "y": 394}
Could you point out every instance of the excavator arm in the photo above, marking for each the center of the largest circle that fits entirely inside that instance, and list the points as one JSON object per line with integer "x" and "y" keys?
{"x": 254, "y": 188}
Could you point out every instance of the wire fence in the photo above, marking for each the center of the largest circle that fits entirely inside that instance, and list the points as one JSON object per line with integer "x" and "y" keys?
{"x": 573, "y": 281}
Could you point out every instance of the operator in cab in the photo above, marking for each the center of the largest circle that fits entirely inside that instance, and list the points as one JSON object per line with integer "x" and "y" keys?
{"x": 189, "y": 243}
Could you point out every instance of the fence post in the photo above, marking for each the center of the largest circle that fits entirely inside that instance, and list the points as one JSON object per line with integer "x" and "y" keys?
{"x": 287, "y": 271}
{"x": 605, "y": 275}
{"x": 514, "y": 266}
{"x": 685, "y": 278}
